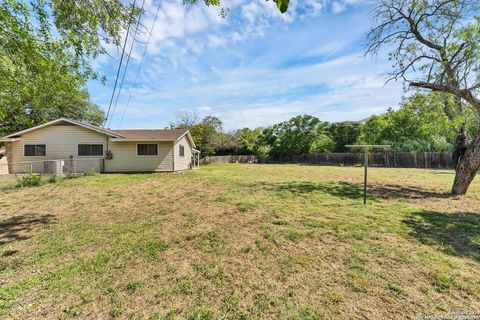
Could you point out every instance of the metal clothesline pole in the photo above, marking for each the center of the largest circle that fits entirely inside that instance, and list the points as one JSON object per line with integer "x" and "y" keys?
{"x": 365, "y": 163}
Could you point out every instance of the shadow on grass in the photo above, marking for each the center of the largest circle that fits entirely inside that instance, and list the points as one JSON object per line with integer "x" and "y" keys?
{"x": 21, "y": 227}
{"x": 457, "y": 233}
{"x": 355, "y": 191}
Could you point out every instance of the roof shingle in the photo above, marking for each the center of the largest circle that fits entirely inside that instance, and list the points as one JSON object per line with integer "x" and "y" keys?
{"x": 170, "y": 134}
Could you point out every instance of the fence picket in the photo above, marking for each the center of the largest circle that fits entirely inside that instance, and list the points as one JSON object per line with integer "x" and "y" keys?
{"x": 437, "y": 160}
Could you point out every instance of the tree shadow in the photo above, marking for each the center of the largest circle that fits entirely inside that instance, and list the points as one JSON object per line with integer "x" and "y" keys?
{"x": 349, "y": 190}
{"x": 340, "y": 189}
{"x": 457, "y": 233}
{"x": 21, "y": 227}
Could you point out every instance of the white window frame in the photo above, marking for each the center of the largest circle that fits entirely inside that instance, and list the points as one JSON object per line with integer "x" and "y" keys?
{"x": 34, "y": 144}
{"x": 147, "y": 155}
{"x": 103, "y": 149}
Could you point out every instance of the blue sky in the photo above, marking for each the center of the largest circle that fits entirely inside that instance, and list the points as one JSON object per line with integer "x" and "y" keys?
{"x": 256, "y": 67}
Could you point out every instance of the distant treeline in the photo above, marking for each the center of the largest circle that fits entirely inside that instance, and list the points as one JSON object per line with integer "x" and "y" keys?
{"x": 421, "y": 124}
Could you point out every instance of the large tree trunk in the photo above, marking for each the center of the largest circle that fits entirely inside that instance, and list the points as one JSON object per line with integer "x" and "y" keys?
{"x": 467, "y": 163}
{"x": 460, "y": 145}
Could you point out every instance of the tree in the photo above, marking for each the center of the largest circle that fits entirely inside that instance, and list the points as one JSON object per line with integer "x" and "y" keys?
{"x": 45, "y": 49}
{"x": 420, "y": 124}
{"x": 205, "y": 134}
{"x": 343, "y": 133}
{"x": 251, "y": 141}
{"x": 40, "y": 79}
{"x": 323, "y": 143}
{"x": 436, "y": 46}
{"x": 224, "y": 143}
{"x": 294, "y": 136}
{"x": 186, "y": 120}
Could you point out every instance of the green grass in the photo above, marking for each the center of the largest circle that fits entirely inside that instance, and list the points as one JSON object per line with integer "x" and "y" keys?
{"x": 238, "y": 241}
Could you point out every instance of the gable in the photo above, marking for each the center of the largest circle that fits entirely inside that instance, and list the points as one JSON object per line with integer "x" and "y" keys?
{"x": 64, "y": 132}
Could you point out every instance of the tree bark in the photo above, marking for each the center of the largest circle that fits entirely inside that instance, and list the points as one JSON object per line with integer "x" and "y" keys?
{"x": 467, "y": 166}
{"x": 460, "y": 145}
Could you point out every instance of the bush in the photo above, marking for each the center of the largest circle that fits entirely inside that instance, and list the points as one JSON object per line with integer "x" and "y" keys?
{"x": 89, "y": 173}
{"x": 52, "y": 179}
{"x": 72, "y": 175}
{"x": 35, "y": 180}
{"x": 30, "y": 180}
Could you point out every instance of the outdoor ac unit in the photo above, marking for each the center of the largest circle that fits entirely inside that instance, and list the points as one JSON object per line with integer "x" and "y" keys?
{"x": 54, "y": 167}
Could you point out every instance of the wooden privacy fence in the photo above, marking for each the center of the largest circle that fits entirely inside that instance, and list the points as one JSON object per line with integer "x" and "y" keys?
{"x": 436, "y": 160}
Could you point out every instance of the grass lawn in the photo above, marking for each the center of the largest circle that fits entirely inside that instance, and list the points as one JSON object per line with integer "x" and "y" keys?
{"x": 233, "y": 241}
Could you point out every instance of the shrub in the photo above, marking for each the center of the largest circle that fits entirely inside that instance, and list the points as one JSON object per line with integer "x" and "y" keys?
{"x": 52, "y": 179}
{"x": 72, "y": 175}
{"x": 30, "y": 180}
{"x": 89, "y": 173}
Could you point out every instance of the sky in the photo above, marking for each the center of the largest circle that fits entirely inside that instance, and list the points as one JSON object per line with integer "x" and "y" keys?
{"x": 255, "y": 67}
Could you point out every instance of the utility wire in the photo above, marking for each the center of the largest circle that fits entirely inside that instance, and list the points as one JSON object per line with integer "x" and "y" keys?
{"x": 141, "y": 62}
{"x": 128, "y": 61}
{"x": 120, "y": 64}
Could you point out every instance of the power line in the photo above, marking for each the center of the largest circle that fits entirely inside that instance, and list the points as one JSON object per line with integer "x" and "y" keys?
{"x": 120, "y": 64}
{"x": 128, "y": 61}
{"x": 141, "y": 61}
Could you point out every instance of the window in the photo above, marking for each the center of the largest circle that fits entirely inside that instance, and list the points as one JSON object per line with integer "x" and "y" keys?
{"x": 35, "y": 150}
{"x": 182, "y": 151}
{"x": 147, "y": 149}
{"x": 90, "y": 149}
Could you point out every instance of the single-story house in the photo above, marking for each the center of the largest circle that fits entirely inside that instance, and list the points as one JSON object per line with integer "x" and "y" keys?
{"x": 66, "y": 145}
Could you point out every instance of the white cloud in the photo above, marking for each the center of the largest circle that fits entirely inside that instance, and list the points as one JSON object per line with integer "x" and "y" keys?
{"x": 194, "y": 46}
{"x": 216, "y": 41}
{"x": 205, "y": 109}
{"x": 338, "y": 7}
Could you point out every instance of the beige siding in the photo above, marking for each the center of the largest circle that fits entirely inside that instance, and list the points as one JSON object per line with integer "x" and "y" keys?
{"x": 125, "y": 158}
{"x": 61, "y": 143}
{"x": 183, "y": 163}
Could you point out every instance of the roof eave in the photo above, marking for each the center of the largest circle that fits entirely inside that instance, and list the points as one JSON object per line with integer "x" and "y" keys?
{"x": 189, "y": 135}
{"x": 84, "y": 125}
{"x": 140, "y": 139}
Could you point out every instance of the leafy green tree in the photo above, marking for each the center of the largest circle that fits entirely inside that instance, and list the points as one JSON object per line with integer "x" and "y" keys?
{"x": 206, "y": 135}
{"x": 251, "y": 141}
{"x": 435, "y": 45}
{"x": 294, "y": 136}
{"x": 420, "y": 124}
{"x": 323, "y": 143}
{"x": 343, "y": 133}
{"x": 45, "y": 49}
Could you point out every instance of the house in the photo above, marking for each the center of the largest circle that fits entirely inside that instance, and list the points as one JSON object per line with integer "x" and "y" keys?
{"x": 65, "y": 145}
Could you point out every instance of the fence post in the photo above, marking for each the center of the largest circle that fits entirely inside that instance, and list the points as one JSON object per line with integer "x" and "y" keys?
{"x": 74, "y": 165}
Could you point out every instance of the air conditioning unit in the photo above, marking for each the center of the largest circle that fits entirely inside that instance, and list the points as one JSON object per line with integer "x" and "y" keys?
{"x": 53, "y": 167}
